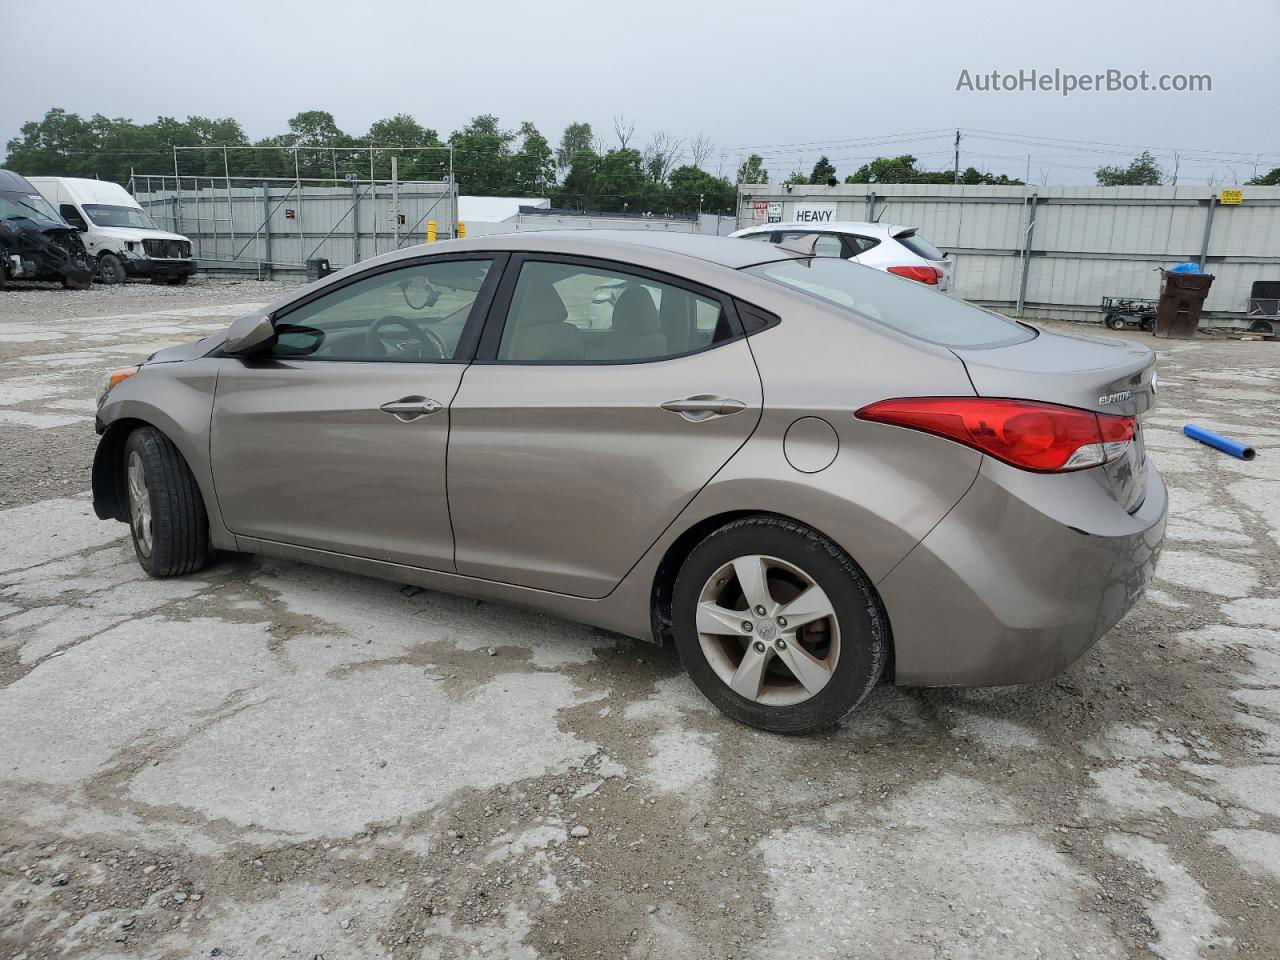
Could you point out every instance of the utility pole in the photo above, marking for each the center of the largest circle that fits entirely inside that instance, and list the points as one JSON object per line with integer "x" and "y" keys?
{"x": 957, "y": 167}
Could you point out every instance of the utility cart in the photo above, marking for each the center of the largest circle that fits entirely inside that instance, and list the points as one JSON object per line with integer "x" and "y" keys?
{"x": 1121, "y": 312}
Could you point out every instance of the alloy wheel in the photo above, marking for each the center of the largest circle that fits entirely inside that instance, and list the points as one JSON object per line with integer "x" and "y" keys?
{"x": 768, "y": 630}
{"x": 139, "y": 504}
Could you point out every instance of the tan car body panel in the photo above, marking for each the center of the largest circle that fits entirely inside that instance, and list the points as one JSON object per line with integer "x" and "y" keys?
{"x": 888, "y": 496}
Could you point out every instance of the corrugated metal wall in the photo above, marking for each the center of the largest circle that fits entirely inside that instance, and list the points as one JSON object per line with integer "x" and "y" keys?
{"x": 250, "y": 222}
{"x": 1086, "y": 243}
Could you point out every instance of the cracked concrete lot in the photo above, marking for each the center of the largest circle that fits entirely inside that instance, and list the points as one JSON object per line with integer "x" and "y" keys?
{"x": 272, "y": 760}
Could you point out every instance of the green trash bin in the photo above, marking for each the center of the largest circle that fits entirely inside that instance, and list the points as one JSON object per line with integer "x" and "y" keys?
{"x": 1181, "y": 300}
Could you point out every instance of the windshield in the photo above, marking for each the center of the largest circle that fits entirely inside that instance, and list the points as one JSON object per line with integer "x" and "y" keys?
{"x": 26, "y": 205}
{"x": 904, "y": 305}
{"x": 107, "y": 215}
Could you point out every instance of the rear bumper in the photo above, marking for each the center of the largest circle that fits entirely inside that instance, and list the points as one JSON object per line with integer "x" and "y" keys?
{"x": 1023, "y": 576}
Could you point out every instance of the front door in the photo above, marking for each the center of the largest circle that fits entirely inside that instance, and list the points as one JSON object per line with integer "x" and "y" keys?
{"x": 336, "y": 438}
{"x": 609, "y": 400}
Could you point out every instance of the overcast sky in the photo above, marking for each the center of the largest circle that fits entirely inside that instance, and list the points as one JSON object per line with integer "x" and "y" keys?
{"x": 787, "y": 81}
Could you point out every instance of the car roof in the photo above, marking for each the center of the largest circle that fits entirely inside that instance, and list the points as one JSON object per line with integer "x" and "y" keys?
{"x": 623, "y": 245}
{"x": 851, "y": 226}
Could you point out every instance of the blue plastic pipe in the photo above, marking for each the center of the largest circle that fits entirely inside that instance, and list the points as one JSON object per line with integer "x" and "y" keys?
{"x": 1240, "y": 451}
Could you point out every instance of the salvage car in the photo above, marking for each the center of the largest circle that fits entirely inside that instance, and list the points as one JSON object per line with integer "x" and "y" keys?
{"x": 807, "y": 474}
{"x": 122, "y": 240}
{"x": 890, "y": 247}
{"x": 36, "y": 243}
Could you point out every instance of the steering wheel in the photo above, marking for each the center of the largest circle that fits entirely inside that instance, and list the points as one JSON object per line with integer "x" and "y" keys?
{"x": 374, "y": 344}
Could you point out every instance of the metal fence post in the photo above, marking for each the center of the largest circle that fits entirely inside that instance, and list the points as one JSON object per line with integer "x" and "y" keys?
{"x": 266, "y": 229}
{"x": 355, "y": 221}
{"x": 1208, "y": 228}
{"x": 1026, "y": 255}
{"x": 395, "y": 201}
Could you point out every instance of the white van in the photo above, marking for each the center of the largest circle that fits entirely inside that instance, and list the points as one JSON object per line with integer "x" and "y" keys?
{"x": 122, "y": 240}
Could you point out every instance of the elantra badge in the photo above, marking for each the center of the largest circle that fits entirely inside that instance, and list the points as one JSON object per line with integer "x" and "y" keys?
{"x": 1107, "y": 398}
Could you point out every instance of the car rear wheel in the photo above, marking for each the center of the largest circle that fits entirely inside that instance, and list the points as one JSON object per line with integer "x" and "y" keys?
{"x": 1115, "y": 322}
{"x": 166, "y": 512}
{"x": 777, "y": 626}
{"x": 111, "y": 269}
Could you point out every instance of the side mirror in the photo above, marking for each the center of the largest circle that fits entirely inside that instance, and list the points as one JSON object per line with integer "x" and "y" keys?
{"x": 249, "y": 334}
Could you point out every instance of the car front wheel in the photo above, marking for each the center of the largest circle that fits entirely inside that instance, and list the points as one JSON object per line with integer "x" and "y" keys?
{"x": 166, "y": 512}
{"x": 777, "y": 626}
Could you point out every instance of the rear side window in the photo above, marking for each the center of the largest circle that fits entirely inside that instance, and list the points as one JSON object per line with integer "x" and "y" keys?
{"x": 920, "y": 246}
{"x": 827, "y": 244}
{"x": 909, "y": 307}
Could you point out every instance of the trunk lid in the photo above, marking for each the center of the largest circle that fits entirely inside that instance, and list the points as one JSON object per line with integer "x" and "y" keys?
{"x": 1090, "y": 373}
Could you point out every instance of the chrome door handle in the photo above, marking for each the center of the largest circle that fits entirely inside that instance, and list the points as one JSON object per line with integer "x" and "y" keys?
{"x": 704, "y": 407}
{"x": 410, "y": 408}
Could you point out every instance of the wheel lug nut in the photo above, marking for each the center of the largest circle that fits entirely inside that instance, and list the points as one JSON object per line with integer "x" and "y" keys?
{"x": 759, "y": 647}
{"x": 759, "y": 611}
{"x": 781, "y": 644}
{"x": 782, "y": 621}
{"x": 746, "y": 626}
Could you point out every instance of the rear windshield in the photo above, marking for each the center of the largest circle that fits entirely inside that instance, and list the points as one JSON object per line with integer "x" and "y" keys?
{"x": 905, "y": 305}
{"x": 920, "y": 246}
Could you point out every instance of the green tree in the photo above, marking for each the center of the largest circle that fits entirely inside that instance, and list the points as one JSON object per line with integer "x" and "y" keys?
{"x": 574, "y": 142}
{"x": 1141, "y": 172}
{"x": 797, "y": 177}
{"x": 402, "y": 130}
{"x": 482, "y": 156}
{"x": 622, "y": 183}
{"x": 533, "y": 167}
{"x": 903, "y": 169}
{"x": 752, "y": 170}
{"x": 1271, "y": 179}
{"x": 823, "y": 171}
{"x": 693, "y": 190}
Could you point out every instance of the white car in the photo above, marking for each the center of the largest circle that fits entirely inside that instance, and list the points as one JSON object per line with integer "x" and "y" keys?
{"x": 886, "y": 246}
{"x": 121, "y": 238}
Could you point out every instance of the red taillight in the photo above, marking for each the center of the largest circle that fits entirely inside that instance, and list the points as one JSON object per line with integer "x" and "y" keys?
{"x": 930, "y": 275}
{"x": 1044, "y": 437}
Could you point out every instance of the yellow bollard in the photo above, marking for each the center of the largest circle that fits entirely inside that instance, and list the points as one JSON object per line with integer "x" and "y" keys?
{"x": 431, "y": 231}
{"x": 462, "y": 230}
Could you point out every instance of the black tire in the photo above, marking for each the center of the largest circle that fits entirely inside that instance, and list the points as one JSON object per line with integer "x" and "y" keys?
{"x": 180, "y": 280}
{"x": 179, "y": 526}
{"x": 1116, "y": 322}
{"x": 863, "y": 627}
{"x": 77, "y": 283}
{"x": 111, "y": 269}
{"x": 1262, "y": 326}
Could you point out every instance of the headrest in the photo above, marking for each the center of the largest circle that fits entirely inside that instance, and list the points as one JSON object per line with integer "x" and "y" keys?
{"x": 634, "y": 314}
{"x": 541, "y": 304}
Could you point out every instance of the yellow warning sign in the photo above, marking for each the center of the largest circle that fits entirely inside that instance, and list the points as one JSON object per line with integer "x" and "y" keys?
{"x": 1232, "y": 197}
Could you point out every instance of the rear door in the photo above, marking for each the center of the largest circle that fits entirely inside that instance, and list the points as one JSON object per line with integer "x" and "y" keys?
{"x": 578, "y": 437}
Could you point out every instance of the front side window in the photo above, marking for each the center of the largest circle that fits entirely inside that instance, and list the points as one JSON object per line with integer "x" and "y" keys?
{"x": 568, "y": 313}
{"x": 112, "y": 215}
{"x": 904, "y": 305}
{"x": 414, "y": 313}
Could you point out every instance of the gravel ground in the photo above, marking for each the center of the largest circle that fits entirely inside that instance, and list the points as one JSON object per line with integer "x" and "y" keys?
{"x": 272, "y": 760}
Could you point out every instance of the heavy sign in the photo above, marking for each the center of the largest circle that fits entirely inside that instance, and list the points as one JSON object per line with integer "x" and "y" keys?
{"x": 814, "y": 213}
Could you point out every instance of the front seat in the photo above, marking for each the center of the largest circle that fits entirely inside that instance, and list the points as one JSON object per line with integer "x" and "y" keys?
{"x": 637, "y": 330}
{"x": 542, "y": 334}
